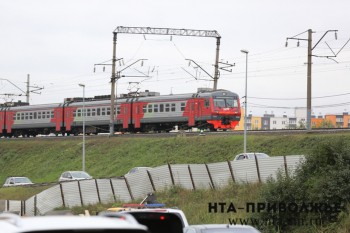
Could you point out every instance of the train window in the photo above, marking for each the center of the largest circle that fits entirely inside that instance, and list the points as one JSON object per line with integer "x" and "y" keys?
{"x": 79, "y": 112}
{"x": 155, "y": 108}
{"x": 98, "y": 112}
{"x": 183, "y": 106}
{"x": 48, "y": 115}
{"x": 150, "y": 107}
{"x": 206, "y": 103}
{"x": 118, "y": 110}
{"x": 27, "y": 116}
{"x": 52, "y": 114}
{"x": 103, "y": 111}
{"x": 88, "y": 112}
{"x": 39, "y": 115}
{"x": 144, "y": 108}
{"x": 30, "y": 115}
{"x": 161, "y": 107}
{"x": 173, "y": 107}
{"x": 43, "y": 115}
{"x": 93, "y": 112}
{"x": 74, "y": 113}
{"x": 167, "y": 107}
{"x": 108, "y": 111}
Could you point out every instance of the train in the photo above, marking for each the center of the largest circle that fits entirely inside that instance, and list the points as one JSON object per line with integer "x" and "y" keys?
{"x": 143, "y": 112}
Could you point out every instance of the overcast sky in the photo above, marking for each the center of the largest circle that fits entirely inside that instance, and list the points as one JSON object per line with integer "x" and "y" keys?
{"x": 58, "y": 43}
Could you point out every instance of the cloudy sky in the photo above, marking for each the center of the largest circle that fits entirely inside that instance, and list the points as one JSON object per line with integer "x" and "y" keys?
{"x": 58, "y": 43}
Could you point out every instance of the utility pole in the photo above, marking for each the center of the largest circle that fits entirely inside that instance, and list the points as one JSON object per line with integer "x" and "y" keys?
{"x": 309, "y": 66}
{"x": 27, "y": 93}
{"x": 113, "y": 87}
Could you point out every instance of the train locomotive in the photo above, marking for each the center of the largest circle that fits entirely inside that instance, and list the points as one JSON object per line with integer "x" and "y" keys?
{"x": 145, "y": 112}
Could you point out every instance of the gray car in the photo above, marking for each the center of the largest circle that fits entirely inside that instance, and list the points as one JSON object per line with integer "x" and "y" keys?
{"x": 220, "y": 228}
{"x": 17, "y": 181}
{"x": 251, "y": 155}
{"x": 74, "y": 175}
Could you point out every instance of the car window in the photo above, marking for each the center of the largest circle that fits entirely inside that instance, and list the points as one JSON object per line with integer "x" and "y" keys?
{"x": 80, "y": 175}
{"x": 241, "y": 157}
{"x": 22, "y": 180}
{"x": 159, "y": 222}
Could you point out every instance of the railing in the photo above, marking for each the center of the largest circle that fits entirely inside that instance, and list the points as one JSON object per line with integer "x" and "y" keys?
{"x": 137, "y": 185}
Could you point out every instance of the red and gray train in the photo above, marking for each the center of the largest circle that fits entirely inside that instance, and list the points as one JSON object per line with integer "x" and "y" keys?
{"x": 213, "y": 110}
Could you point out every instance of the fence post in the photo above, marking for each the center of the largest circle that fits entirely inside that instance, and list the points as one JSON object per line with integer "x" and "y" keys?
{"x": 35, "y": 208}
{"x": 7, "y": 205}
{"x": 81, "y": 196}
{"x": 128, "y": 186}
{"x": 62, "y": 195}
{"x": 151, "y": 180}
{"x": 110, "y": 181}
{"x": 231, "y": 171}
{"x": 211, "y": 179}
{"x": 285, "y": 165}
{"x": 171, "y": 174}
{"x": 98, "y": 192}
{"x": 194, "y": 186}
{"x": 257, "y": 168}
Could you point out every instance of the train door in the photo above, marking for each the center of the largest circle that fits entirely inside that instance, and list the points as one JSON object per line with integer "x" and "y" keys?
{"x": 194, "y": 111}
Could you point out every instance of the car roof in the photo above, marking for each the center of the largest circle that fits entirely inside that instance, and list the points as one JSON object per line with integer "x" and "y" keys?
{"x": 46, "y": 223}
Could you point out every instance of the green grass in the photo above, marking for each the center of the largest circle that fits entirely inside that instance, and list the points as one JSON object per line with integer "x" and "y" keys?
{"x": 43, "y": 160}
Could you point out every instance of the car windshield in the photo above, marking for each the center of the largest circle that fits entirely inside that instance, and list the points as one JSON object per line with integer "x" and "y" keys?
{"x": 80, "y": 175}
{"x": 22, "y": 180}
{"x": 225, "y": 103}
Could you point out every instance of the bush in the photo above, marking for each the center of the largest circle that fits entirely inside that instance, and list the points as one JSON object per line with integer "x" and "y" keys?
{"x": 319, "y": 189}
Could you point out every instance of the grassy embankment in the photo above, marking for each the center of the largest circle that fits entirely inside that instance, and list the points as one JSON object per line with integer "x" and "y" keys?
{"x": 43, "y": 160}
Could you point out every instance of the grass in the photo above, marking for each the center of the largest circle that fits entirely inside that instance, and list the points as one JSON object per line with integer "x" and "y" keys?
{"x": 43, "y": 160}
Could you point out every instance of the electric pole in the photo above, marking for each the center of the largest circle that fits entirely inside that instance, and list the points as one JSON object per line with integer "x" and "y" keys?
{"x": 309, "y": 66}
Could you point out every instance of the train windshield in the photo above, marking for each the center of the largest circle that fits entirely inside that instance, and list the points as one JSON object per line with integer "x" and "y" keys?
{"x": 225, "y": 103}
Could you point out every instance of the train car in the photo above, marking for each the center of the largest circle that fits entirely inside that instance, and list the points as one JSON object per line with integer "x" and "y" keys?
{"x": 31, "y": 120}
{"x": 212, "y": 110}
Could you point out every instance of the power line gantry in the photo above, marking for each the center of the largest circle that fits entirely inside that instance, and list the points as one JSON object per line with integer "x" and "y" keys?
{"x": 158, "y": 31}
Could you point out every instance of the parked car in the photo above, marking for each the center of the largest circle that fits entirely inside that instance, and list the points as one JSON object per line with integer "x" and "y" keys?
{"x": 222, "y": 228}
{"x": 11, "y": 223}
{"x": 74, "y": 175}
{"x": 17, "y": 181}
{"x": 137, "y": 169}
{"x": 251, "y": 155}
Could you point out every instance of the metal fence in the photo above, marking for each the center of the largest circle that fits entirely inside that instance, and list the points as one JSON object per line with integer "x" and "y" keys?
{"x": 137, "y": 185}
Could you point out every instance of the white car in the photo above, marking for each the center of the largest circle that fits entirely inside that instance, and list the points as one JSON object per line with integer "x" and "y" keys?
{"x": 74, "y": 175}
{"x": 10, "y": 223}
{"x": 222, "y": 228}
{"x": 17, "y": 181}
{"x": 251, "y": 156}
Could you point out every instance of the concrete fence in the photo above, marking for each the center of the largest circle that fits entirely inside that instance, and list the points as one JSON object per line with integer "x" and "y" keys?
{"x": 137, "y": 185}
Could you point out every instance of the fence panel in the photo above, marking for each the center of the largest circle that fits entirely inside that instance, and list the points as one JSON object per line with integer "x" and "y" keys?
{"x": 105, "y": 190}
{"x": 139, "y": 183}
{"x": 200, "y": 176}
{"x": 71, "y": 193}
{"x": 89, "y": 192}
{"x": 14, "y": 206}
{"x": 29, "y": 205}
{"x": 268, "y": 167}
{"x": 220, "y": 173}
{"x": 293, "y": 161}
{"x": 245, "y": 171}
{"x": 182, "y": 176}
{"x": 48, "y": 200}
{"x": 121, "y": 190}
{"x": 161, "y": 177}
